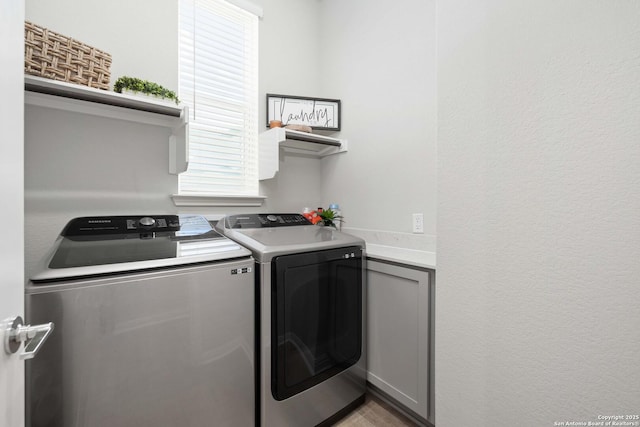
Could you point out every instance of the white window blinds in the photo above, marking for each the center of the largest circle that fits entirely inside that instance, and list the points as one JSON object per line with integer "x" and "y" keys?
{"x": 218, "y": 79}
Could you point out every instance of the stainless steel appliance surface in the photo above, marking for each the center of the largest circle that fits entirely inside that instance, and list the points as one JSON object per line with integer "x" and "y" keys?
{"x": 154, "y": 326}
{"x": 312, "y": 317}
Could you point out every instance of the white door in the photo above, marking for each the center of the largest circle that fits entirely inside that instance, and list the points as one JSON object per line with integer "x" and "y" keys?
{"x": 12, "y": 211}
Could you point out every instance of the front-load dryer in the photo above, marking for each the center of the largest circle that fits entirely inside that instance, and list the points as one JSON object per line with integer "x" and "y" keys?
{"x": 310, "y": 294}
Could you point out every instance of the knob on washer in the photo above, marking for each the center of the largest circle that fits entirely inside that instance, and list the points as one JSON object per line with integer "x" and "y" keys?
{"x": 147, "y": 222}
{"x": 272, "y": 218}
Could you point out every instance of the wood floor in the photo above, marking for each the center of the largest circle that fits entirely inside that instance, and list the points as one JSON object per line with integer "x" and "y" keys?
{"x": 374, "y": 413}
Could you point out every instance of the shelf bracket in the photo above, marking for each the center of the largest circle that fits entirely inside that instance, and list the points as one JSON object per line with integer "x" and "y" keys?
{"x": 179, "y": 145}
{"x": 293, "y": 142}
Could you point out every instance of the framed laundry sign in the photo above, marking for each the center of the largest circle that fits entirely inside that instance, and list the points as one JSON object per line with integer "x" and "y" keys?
{"x": 318, "y": 113}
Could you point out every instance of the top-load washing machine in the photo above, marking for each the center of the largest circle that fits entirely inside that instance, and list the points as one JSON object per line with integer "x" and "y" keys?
{"x": 309, "y": 301}
{"x": 154, "y": 326}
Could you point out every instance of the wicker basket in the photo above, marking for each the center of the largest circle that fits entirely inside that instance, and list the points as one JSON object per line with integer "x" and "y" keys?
{"x": 54, "y": 56}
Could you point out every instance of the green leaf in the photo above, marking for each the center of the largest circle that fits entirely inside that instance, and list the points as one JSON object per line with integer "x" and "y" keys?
{"x": 138, "y": 85}
{"x": 328, "y": 217}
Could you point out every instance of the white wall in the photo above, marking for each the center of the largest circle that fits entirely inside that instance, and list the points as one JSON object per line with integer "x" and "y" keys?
{"x": 379, "y": 58}
{"x": 140, "y": 35}
{"x": 289, "y": 65}
{"x": 537, "y": 316}
{"x": 79, "y": 165}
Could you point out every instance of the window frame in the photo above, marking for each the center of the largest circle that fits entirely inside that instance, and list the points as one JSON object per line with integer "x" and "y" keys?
{"x": 248, "y": 195}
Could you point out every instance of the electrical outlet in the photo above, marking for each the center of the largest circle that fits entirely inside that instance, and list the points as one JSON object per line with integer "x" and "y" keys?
{"x": 418, "y": 223}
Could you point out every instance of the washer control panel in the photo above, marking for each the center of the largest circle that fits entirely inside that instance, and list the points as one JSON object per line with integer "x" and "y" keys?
{"x": 116, "y": 225}
{"x": 265, "y": 220}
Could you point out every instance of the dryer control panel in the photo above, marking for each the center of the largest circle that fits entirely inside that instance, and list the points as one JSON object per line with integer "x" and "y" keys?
{"x": 265, "y": 220}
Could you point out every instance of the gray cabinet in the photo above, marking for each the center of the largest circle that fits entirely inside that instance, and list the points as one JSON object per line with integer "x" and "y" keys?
{"x": 400, "y": 334}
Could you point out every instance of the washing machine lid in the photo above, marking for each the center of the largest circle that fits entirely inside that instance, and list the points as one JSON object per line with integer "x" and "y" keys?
{"x": 270, "y": 235}
{"x": 90, "y": 246}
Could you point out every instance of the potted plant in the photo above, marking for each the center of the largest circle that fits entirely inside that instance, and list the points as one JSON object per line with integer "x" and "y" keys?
{"x": 135, "y": 86}
{"x": 329, "y": 218}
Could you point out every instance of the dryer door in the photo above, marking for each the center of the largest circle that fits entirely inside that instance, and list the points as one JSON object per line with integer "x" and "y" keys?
{"x": 317, "y": 317}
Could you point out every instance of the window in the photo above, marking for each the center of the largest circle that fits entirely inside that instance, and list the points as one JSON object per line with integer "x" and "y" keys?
{"x": 218, "y": 80}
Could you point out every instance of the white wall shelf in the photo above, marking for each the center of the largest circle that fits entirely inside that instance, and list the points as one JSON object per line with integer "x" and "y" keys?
{"x": 293, "y": 142}
{"x": 80, "y": 99}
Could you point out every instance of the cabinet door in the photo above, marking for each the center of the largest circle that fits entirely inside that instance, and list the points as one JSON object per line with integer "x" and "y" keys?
{"x": 398, "y": 333}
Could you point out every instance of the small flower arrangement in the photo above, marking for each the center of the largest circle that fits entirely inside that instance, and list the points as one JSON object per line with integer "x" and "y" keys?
{"x": 326, "y": 217}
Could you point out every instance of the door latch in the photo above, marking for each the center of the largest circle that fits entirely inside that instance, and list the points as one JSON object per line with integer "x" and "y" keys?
{"x": 33, "y": 337}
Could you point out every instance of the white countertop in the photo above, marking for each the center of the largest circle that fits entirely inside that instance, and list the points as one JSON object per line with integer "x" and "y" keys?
{"x": 411, "y": 257}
